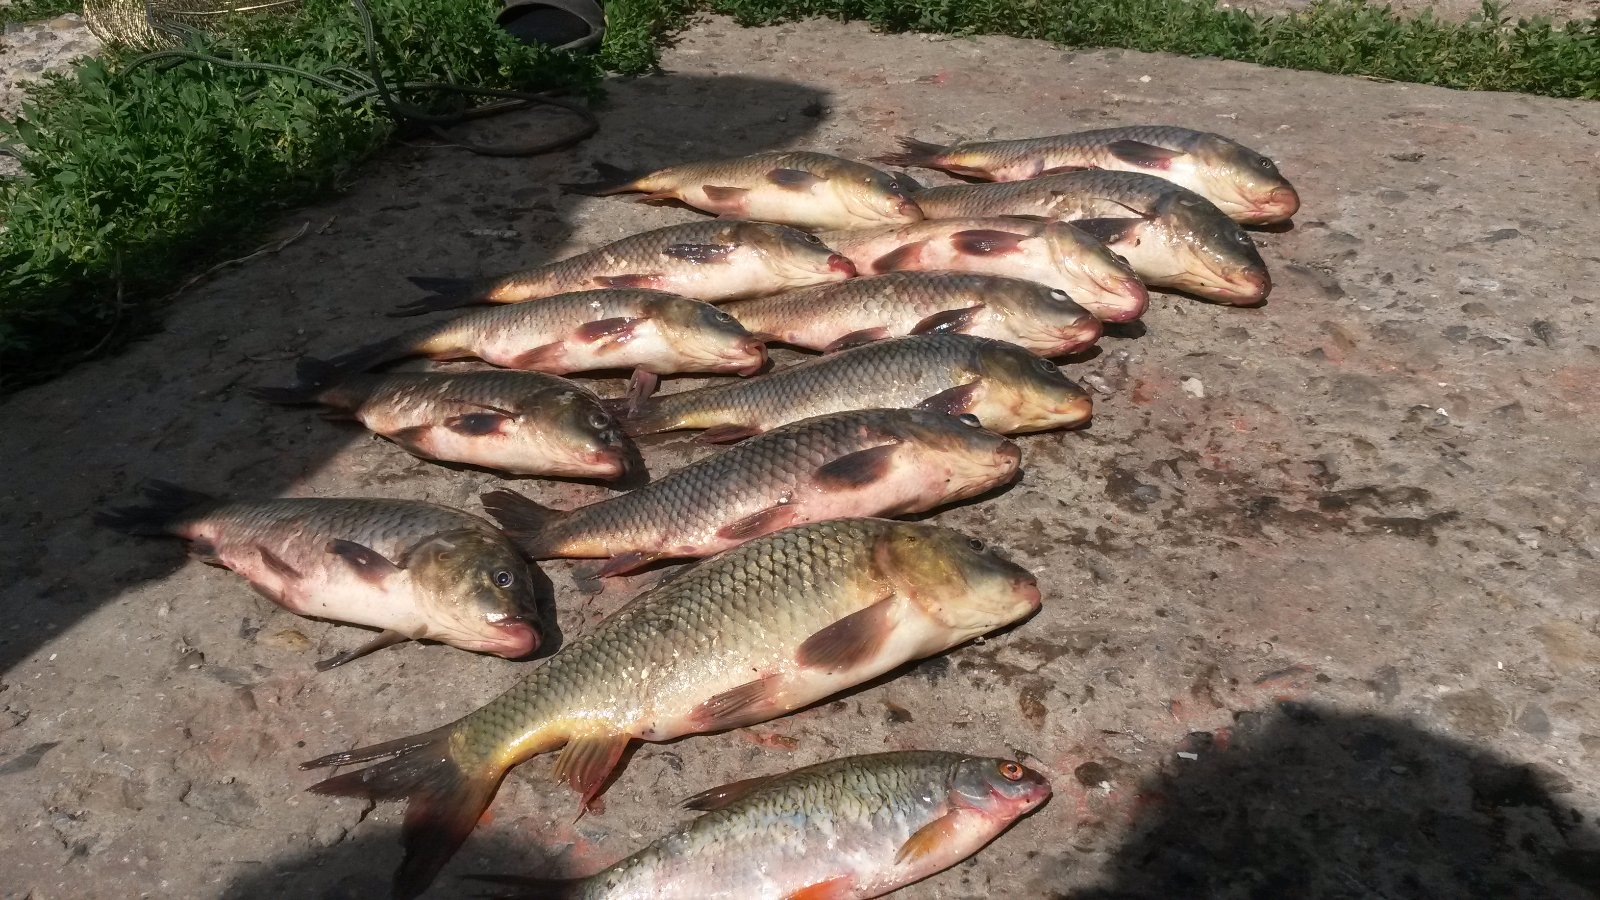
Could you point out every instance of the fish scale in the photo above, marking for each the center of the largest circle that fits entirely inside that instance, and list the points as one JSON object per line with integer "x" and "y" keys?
{"x": 1074, "y": 195}
{"x": 387, "y": 526}
{"x": 431, "y": 394}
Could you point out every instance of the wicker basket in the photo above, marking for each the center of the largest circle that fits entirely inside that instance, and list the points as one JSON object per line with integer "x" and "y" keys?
{"x": 155, "y": 24}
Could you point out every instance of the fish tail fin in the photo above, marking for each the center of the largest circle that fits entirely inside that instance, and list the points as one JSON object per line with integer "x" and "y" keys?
{"x": 613, "y": 180}
{"x": 446, "y": 293}
{"x": 444, "y": 793}
{"x": 370, "y": 356}
{"x": 522, "y": 887}
{"x": 166, "y": 505}
{"x": 524, "y": 521}
{"x": 315, "y": 375}
{"x": 913, "y": 153}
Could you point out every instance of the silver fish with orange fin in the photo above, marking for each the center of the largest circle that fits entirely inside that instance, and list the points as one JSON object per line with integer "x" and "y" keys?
{"x": 419, "y": 571}
{"x": 857, "y": 827}
{"x": 833, "y": 316}
{"x": 789, "y": 187}
{"x": 1171, "y": 236}
{"x": 769, "y": 627}
{"x": 874, "y": 462}
{"x": 711, "y": 261}
{"x": 1243, "y": 183}
{"x": 1054, "y": 254}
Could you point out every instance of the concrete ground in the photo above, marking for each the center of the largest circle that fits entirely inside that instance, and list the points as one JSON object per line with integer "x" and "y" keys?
{"x": 1319, "y": 582}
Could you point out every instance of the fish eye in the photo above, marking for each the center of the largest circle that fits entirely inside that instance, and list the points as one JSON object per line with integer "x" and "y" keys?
{"x": 598, "y": 419}
{"x": 724, "y": 318}
{"x": 970, "y": 420}
{"x": 976, "y": 545}
{"x": 1046, "y": 366}
{"x": 1010, "y": 771}
{"x": 504, "y": 579}
{"x": 1121, "y": 259}
{"x": 1264, "y": 163}
{"x": 812, "y": 239}
{"x": 1059, "y": 296}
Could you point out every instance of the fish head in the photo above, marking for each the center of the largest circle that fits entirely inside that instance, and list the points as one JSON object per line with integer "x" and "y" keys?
{"x": 1030, "y": 392}
{"x": 1243, "y": 183}
{"x": 969, "y": 458}
{"x": 875, "y": 199}
{"x": 708, "y": 339}
{"x": 1047, "y": 318}
{"x": 477, "y": 592}
{"x": 1110, "y": 287}
{"x": 795, "y": 257}
{"x": 580, "y": 439}
{"x": 959, "y": 582}
{"x": 1001, "y": 789}
{"x": 1214, "y": 258}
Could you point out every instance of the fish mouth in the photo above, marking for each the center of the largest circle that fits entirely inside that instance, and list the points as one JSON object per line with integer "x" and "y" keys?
{"x": 748, "y": 358}
{"x": 907, "y": 210}
{"x": 841, "y": 265}
{"x": 1241, "y": 288}
{"x": 1076, "y": 412}
{"x": 1027, "y": 590}
{"x": 1280, "y": 205}
{"x": 516, "y": 638}
{"x": 611, "y": 462}
{"x": 1080, "y": 335}
{"x": 1008, "y": 457}
{"x": 1135, "y": 299}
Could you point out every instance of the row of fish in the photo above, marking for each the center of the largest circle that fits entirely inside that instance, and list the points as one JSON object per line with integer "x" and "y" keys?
{"x": 936, "y": 309}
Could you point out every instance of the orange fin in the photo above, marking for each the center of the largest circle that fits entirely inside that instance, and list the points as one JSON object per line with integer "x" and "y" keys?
{"x": 729, "y": 197}
{"x": 953, "y": 401}
{"x": 901, "y": 258}
{"x": 608, "y": 331}
{"x": 539, "y": 358}
{"x": 756, "y": 524}
{"x": 855, "y": 470}
{"x": 647, "y": 281}
{"x": 727, "y": 434}
{"x": 986, "y": 242}
{"x": 840, "y": 887}
{"x": 751, "y": 702}
{"x": 723, "y": 795}
{"x": 850, "y": 641}
{"x": 621, "y": 564}
{"x": 928, "y": 840}
{"x": 857, "y": 338}
{"x": 587, "y": 761}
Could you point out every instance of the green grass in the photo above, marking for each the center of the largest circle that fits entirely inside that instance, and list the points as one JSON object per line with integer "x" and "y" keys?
{"x": 35, "y": 10}
{"x": 136, "y": 179}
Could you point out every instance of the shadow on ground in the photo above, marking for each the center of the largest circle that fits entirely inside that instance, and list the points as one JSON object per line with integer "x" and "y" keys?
{"x": 1307, "y": 801}
{"x": 174, "y": 405}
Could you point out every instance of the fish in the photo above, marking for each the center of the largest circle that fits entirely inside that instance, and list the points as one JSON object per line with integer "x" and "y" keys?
{"x": 1241, "y": 182}
{"x": 768, "y": 627}
{"x": 709, "y": 260}
{"x": 1171, "y": 236}
{"x": 789, "y": 187}
{"x": 523, "y": 423}
{"x": 1008, "y": 389}
{"x": 860, "y": 826}
{"x": 416, "y": 570}
{"x": 583, "y": 331}
{"x": 874, "y": 462}
{"x": 833, "y": 316}
{"x": 1054, "y": 254}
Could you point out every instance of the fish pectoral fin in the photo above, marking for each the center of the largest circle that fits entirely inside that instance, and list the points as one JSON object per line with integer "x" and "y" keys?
{"x": 904, "y": 257}
{"x": 727, "y": 434}
{"x": 1062, "y": 170}
{"x": 950, "y": 321}
{"x": 621, "y": 564}
{"x": 855, "y": 470}
{"x": 371, "y": 565}
{"x": 588, "y": 760}
{"x": 640, "y": 387}
{"x": 756, "y": 524}
{"x": 642, "y": 280}
{"x": 953, "y": 401}
{"x": 751, "y": 702}
{"x": 1145, "y": 156}
{"x": 725, "y": 794}
{"x": 721, "y": 194}
{"x": 606, "y": 331}
{"x": 986, "y": 242}
{"x": 929, "y": 839}
{"x": 699, "y": 253}
{"x": 839, "y": 887}
{"x": 1107, "y": 230}
{"x": 388, "y": 638}
{"x": 793, "y": 179}
{"x": 275, "y": 562}
{"x": 850, "y": 641}
{"x": 857, "y": 338}
{"x": 204, "y": 551}
{"x": 478, "y": 424}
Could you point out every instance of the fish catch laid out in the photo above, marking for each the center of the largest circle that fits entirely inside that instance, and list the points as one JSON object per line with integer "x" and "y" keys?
{"x": 1246, "y": 185}
{"x": 417, "y": 570}
{"x": 875, "y": 462}
{"x": 833, "y": 316}
{"x": 861, "y": 826}
{"x": 1054, "y": 254}
{"x": 791, "y": 187}
{"x": 584, "y": 331}
{"x": 769, "y": 627}
{"x": 1171, "y": 236}
{"x": 1007, "y": 388}
{"x": 711, "y": 261}
{"x": 524, "y": 423}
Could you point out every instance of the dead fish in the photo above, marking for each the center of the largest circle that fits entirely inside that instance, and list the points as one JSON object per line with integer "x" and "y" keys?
{"x": 419, "y": 571}
{"x": 875, "y": 462}
{"x": 525, "y": 423}
{"x": 1171, "y": 236}
{"x": 585, "y": 331}
{"x": 709, "y": 261}
{"x": 861, "y": 826}
{"x": 1009, "y": 390}
{"x": 769, "y": 627}
{"x": 833, "y": 316}
{"x": 807, "y": 190}
{"x": 1051, "y": 253}
{"x": 1243, "y": 183}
